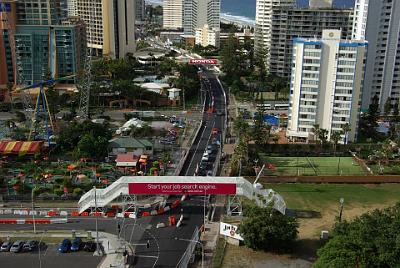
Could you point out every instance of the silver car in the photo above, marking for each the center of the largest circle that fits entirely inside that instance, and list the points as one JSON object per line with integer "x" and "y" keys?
{"x": 17, "y": 246}
{"x": 5, "y": 247}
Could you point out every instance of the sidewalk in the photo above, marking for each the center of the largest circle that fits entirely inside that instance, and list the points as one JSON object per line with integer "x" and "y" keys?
{"x": 113, "y": 248}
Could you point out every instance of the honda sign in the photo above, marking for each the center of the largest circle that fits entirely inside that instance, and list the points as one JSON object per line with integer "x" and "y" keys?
{"x": 203, "y": 61}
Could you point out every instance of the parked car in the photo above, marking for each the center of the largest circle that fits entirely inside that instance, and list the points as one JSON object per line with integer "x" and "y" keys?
{"x": 76, "y": 244}
{"x": 65, "y": 246}
{"x": 30, "y": 245}
{"x": 17, "y": 246}
{"x": 6, "y": 246}
{"x": 204, "y": 158}
{"x": 220, "y": 112}
{"x": 90, "y": 246}
{"x": 209, "y": 173}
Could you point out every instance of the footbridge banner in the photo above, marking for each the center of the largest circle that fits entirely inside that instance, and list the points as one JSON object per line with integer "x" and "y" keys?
{"x": 155, "y": 188}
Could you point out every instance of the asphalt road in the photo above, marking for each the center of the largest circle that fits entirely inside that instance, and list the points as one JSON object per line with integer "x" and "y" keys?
{"x": 215, "y": 98}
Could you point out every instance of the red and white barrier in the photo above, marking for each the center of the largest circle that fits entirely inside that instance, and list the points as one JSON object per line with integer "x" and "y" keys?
{"x": 36, "y": 221}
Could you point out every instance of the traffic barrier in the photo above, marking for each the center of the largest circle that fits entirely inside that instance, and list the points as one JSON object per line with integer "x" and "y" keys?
{"x": 145, "y": 214}
{"x": 20, "y": 221}
{"x": 160, "y": 211}
{"x": 153, "y": 212}
{"x": 8, "y": 221}
{"x": 51, "y": 214}
{"x": 33, "y": 212}
{"x": 1, "y": 212}
{"x": 166, "y": 208}
{"x": 85, "y": 214}
{"x": 43, "y": 213}
{"x": 63, "y": 213}
{"x": 110, "y": 214}
{"x": 96, "y": 214}
{"x": 75, "y": 213}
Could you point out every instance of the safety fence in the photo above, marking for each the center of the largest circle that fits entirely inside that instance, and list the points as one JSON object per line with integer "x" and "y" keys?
{"x": 188, "y": 256}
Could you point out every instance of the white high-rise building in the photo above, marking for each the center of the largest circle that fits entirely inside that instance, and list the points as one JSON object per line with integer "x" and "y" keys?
{"x": 197, "y": 13}
{"x": 382, "y": 76}
{"x": 172, "y": 14}
{"x": 263, "y": 29}
{"x": 207, "y": 36}
{"x": 326, "y": 85}
{"x": 140, "y": 7}
{"x": 360, "y": 19}
{"x": 110, "y": 26}
{"x": 72, "y": 8}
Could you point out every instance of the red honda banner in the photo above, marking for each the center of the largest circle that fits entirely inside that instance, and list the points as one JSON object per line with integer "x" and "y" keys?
{"x": 203, "y": 61}
{"x": 154, "y": 188}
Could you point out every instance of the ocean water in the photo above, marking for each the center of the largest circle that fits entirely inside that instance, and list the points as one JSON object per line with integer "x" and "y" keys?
{"x": 245, "y": 10}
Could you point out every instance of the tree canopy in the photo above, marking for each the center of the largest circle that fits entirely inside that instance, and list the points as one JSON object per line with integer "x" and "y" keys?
{"x": 267, "y": 229}
{"x": 371, "y": 240}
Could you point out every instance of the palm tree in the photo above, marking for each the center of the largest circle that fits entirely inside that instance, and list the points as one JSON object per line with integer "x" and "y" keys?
{"x": 346, "y": 129}
{"x": 335, "y": 138}
{"x": 316, "y": 131}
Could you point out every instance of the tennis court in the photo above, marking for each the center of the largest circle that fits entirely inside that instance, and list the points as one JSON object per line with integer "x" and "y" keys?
{"x": 310, "y": 166}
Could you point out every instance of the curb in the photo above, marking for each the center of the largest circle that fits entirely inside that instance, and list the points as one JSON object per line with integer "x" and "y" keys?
{"x": 31, "y": 221}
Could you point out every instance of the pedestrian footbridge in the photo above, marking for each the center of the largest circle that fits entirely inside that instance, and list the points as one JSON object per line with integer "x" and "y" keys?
{"x": 180, "y": 185}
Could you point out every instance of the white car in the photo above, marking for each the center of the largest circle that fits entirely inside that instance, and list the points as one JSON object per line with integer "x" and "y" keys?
{"x": 204, "y": 158}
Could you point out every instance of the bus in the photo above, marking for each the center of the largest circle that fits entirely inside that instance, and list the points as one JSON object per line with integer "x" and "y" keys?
{"x": 264, "y": 106}
{"x": 281, "y": 106}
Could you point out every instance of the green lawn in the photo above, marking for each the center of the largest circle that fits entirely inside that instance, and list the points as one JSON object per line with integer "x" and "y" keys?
{"x": 309, "y": 196}
{"x": 308, "y": 166}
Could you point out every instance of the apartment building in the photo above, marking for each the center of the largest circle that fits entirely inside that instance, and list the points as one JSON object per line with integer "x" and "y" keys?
{"x": 207, "y": 36}
{"x": 383, "y": 61}
{"x": 172, "y": 14}
{"x": 326, "y": 85}
{"x": 197, "y": 13}
{"x": 140, "y": 8}
{"x": 290, "y": 23}
{"x": 110, "y": 26}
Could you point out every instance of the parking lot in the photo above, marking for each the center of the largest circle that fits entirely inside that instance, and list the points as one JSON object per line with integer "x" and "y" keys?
{"x": 50, "y": 258}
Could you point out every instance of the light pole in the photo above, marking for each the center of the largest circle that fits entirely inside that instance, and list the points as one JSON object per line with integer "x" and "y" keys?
{"x": 96, "y": 220}
{"x": 40, "y": 242}
{"x": 204, "y": 211}
{"x": 197, "y": 242}
{"x": 341, "y": 201}
{"x": 33, "y": 212}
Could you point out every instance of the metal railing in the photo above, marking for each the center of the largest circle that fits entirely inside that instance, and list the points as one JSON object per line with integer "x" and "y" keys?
{"x": 187, "y": 255}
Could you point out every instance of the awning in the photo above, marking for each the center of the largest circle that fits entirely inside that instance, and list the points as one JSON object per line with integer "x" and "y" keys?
{"x": 126, "y": 160}
{"x": 20, "y": 147}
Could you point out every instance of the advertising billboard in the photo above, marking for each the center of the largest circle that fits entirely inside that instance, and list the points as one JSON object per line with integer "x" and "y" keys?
{"x": 155, "y": 188}
{"x": 229, "y": 230}
{"x": 203, "y": 61}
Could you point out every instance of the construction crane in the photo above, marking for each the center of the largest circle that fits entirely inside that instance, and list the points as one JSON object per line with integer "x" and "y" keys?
{"x": 41, "y": 112}
{"x": 5, "y": 9}
{"x": 86, "y": 82}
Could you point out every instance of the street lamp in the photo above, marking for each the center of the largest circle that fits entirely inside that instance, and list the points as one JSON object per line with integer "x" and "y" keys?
{"x": 341, "y": 201}
{"x": 197, "y": 242}
{"x": 33, "y": 212}
{"x": 97, "y": 222}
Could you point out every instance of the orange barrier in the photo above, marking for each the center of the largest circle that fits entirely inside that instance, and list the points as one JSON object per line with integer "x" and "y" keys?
{"x": 145, "y": 214}
{"x": 75, "y": 213}
{"x": 51, "y": 214}
{"x": 110, "y": 214}
{"x": 160, "y": 211}
{"x": 96, "y": 214}
{"x": 85, "y": 214}
{"x": 8, "y": 221}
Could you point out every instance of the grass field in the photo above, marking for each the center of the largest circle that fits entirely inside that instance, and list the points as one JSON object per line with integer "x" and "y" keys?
{"x": 309, "y": 196}
{"x": 309, "y": 166}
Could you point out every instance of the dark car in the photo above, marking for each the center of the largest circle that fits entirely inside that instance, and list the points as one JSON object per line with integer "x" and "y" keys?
{"x": 90, "y": 246}
{"x": 30, "y": 245}
{"x": 65, "y": 246}
{"x": 76, "y": 244}
{"x": 17, "y": 246}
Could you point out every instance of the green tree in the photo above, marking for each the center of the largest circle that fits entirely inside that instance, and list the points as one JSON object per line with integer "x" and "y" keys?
{"x": 370, "y": 240}
{"x": 396, "y": 109}
{"x": 387, "y": 107}
{"x": 20, "y": 116}
{"x": 267, "y": 229}
{"x": 229, "y": 56}
{"x": 335, "y": 138}
{"x": 316, "y": 131}
{"x": 323, "y": 135}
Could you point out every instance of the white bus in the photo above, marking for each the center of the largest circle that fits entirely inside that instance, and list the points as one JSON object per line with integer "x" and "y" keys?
{"x": 281, "y": 106}
{"x": 264, "y": 106}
